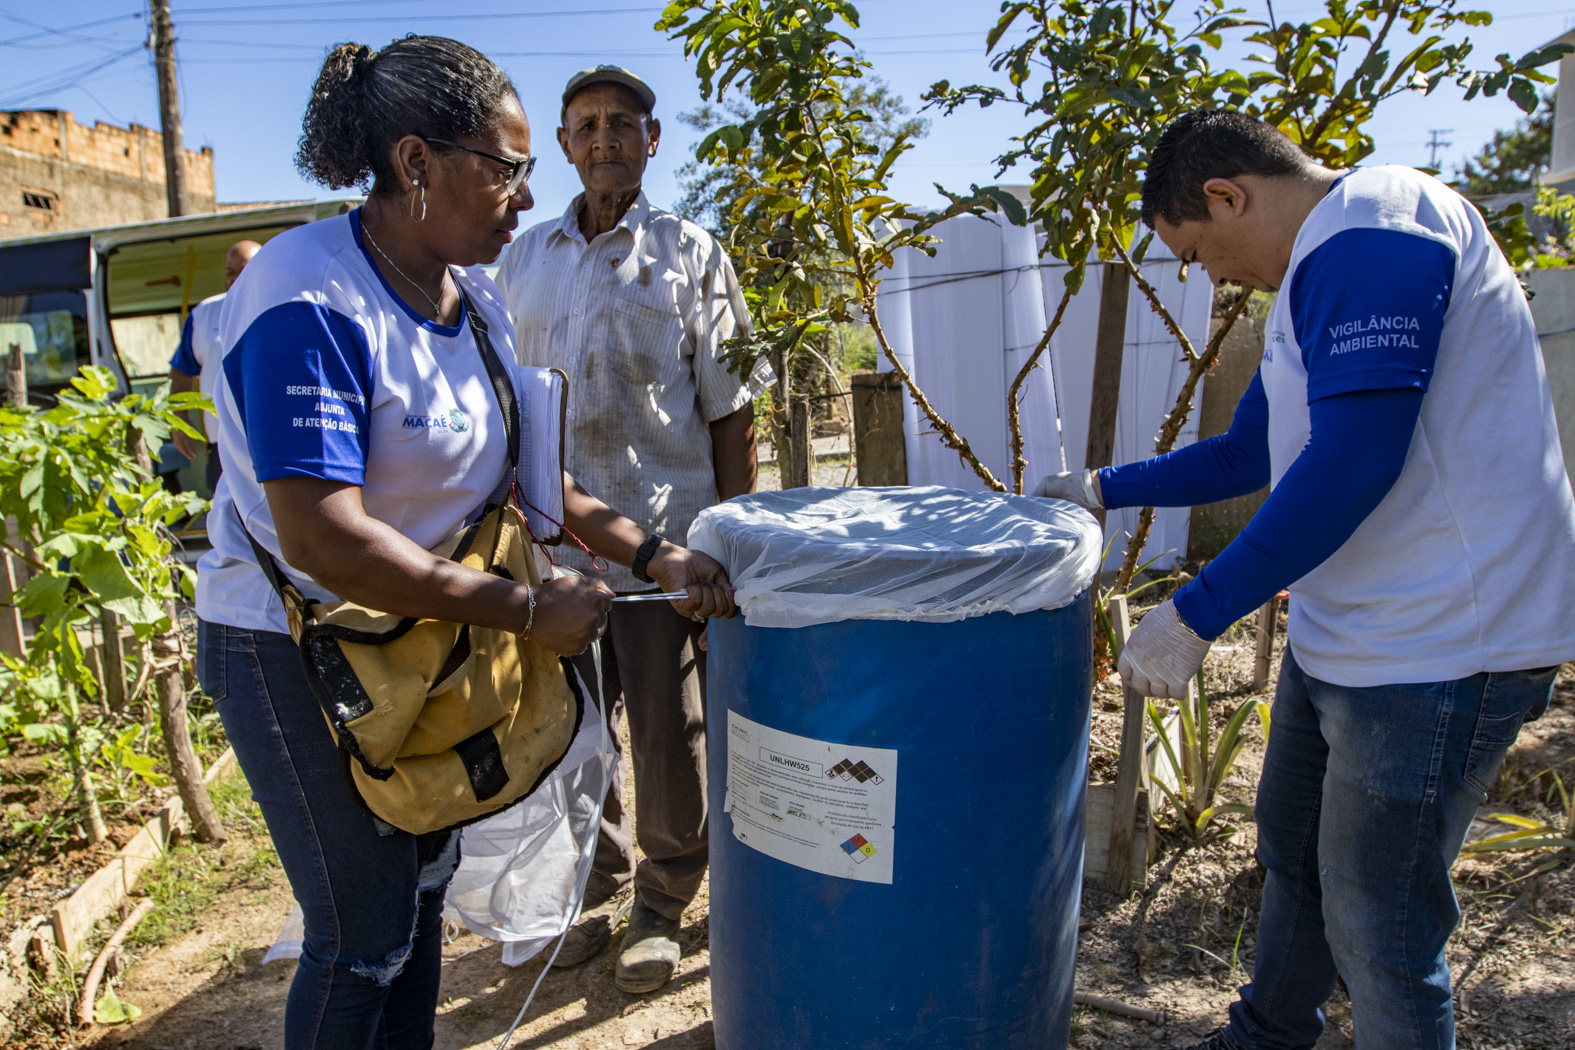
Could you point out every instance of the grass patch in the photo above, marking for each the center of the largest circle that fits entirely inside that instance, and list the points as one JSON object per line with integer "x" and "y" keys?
{"x": 191, "y": 876}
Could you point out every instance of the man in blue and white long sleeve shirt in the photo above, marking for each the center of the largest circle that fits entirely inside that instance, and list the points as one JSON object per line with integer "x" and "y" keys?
{"x": 1420, "y": 516}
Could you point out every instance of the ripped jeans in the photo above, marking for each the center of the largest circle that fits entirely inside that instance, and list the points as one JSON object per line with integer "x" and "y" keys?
{"x": 372, "y": 895}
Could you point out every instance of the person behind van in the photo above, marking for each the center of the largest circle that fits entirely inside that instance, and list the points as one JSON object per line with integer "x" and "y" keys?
{"x": 359, "y": 427}
{"x": 196, "y": 360}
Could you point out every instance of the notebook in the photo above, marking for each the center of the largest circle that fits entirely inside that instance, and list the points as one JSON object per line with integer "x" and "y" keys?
{"x": 543, "y": 401}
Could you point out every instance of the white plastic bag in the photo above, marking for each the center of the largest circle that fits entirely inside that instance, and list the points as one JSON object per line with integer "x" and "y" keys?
{"x": 820, "y": 555}
{"x": 288, "y": 944}
{"x": 522, "y": 871}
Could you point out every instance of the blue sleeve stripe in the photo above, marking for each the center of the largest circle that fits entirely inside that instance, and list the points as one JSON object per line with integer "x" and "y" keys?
{"x": 1367, "y": 306}
{"x": 1355, "y": 455}
{"x": 1231, "y": 464}
{"x": 185, "y": 358}
{"x": 301, "y": 376}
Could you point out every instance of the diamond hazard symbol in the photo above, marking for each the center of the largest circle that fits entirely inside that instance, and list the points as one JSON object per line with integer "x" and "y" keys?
{"x": 848, "y": 769}
{"x": 859, "y": 848}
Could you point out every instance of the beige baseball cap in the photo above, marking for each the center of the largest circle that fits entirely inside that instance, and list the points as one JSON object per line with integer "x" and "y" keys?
{"x": 609, "y": 75}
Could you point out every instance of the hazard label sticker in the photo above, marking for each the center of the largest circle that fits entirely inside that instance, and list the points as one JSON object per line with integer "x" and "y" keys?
{"x": 815, "y": 804}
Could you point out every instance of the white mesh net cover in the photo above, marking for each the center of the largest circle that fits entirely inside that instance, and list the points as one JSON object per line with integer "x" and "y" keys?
{"x": 820, "y": 555}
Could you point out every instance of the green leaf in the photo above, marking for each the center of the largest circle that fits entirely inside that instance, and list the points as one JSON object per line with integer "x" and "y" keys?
{"x": 1523, "y": 94}
{"x": 44, "y": 594}
{"x": 104, "y": 574}
{"x": 1224, "y": 807}
{"x": 1140, "y": 252}
{"x": 45, "y": 733}
{"x": 1009, "y": 203}
{"x": 110, "y": 1010}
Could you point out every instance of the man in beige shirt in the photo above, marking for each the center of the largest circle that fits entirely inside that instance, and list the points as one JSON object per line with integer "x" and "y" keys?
{"x": 633, "y": 303}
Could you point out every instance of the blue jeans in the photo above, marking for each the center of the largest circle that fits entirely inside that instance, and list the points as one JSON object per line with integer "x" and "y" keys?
{"x": 1364, "y": 802}
{"x": 372, "y": 895}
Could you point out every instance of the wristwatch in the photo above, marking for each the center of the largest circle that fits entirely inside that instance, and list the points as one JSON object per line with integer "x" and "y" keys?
{"x": 643, "y": 556}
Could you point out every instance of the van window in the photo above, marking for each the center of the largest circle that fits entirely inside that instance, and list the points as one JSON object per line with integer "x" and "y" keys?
{"x": 146, "y": 344}
{"x": 52, "y": 330}
{"x": 150, "y": 284}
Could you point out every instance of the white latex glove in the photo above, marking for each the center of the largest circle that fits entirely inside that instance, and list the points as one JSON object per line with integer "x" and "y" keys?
{"x": 1163, "y": 655}
{"x": 1074, "y": 486}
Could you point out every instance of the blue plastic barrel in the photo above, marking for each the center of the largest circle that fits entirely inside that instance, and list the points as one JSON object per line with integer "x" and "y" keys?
{"x": 972, "y": 942}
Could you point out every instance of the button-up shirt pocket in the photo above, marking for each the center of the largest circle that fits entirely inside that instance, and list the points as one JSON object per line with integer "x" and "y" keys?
{"x": 643, "y": 342}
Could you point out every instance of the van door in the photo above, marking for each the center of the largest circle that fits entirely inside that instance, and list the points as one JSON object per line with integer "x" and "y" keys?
{"x": 151, "y": 285}
{"x": 44, "y": 311}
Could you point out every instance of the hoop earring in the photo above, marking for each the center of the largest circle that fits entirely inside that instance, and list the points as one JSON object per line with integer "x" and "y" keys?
{"x": 413, "y": 216}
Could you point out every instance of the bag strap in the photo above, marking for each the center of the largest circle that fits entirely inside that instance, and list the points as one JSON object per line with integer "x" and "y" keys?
{"x": 502, "y": 385}
{"x": 288, "y": 593}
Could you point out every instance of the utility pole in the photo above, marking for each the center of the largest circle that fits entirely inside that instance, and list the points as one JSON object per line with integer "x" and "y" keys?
{"x": 1434, "y": 144}
{"x": 169, "y": 106}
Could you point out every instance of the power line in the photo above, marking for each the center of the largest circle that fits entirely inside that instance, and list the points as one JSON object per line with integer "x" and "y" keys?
{"x": 533, "y": 54}
{"x": 71, "y": 39}
{"x": 66, "y": 75}
{"x": 288, "y": 22}
{"x": 1434, "y": 144}
{"x": 64, "y": 30}
{"x": 62, "y": 79}
{"x": 601, "y": 52}
{"x": 318, "y": 4}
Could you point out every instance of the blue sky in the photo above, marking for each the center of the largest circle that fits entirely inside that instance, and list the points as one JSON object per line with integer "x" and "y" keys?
{"x": 245, "y": 70}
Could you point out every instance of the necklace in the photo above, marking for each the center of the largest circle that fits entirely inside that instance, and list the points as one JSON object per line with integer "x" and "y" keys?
{"x": 437, "y": 307}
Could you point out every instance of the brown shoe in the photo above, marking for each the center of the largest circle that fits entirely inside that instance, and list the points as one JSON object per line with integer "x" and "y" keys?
{"x": 650, "y": 951}
{"x": 586, "y": 938}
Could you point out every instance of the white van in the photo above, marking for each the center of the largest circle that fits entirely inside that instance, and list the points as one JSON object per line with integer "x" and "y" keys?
{"x": 117, "y": 297}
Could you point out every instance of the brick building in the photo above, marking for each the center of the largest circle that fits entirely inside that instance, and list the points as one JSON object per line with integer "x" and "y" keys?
{"x": 56, "y": 174}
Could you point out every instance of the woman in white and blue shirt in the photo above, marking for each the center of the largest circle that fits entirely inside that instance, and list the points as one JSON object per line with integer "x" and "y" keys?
{"x": 358, "y": 427}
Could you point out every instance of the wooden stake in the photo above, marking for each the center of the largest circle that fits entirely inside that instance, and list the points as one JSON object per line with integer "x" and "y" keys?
{"x": 1268, "y": 624}
{"x": 113, "y": 672}
{"x": 800, "y": 451}
{"x": 42, "y": 954}
{"x": 1109, "y": 348}
{"x": 11, "y": 579}
{"x": 879, "y": 446}
{"x": 1129, "y": 771}
{"x": 16, "y": 376}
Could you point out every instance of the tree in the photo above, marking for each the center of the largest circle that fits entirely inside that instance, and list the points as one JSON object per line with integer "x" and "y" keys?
{"x": 1100, "y": 80}
{"x": 709, "y": 191}
{"x": 1103, "y": 78}
{"x": 812, "y": 225}
{"x": 1322, "y": 80}
{"x": 1514, "y": 159}
{"x": 712, "y": 196}
{"x": 93, "y": 524}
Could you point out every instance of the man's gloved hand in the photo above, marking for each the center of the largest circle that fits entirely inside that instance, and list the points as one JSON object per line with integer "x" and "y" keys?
{"x": 1162, "y": 655}
{"x": 1074, "y": 486}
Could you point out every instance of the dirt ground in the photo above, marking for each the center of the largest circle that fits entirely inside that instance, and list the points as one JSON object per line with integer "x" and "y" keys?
{"x": 1182, "y": 946}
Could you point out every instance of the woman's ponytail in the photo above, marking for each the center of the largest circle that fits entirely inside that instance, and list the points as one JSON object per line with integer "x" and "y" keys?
{"x": 334, "y": 150}
{"x": 365, "y": 101}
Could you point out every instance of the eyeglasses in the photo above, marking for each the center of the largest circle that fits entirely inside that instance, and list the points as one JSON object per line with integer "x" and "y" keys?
{"x": 519, "y": 170}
